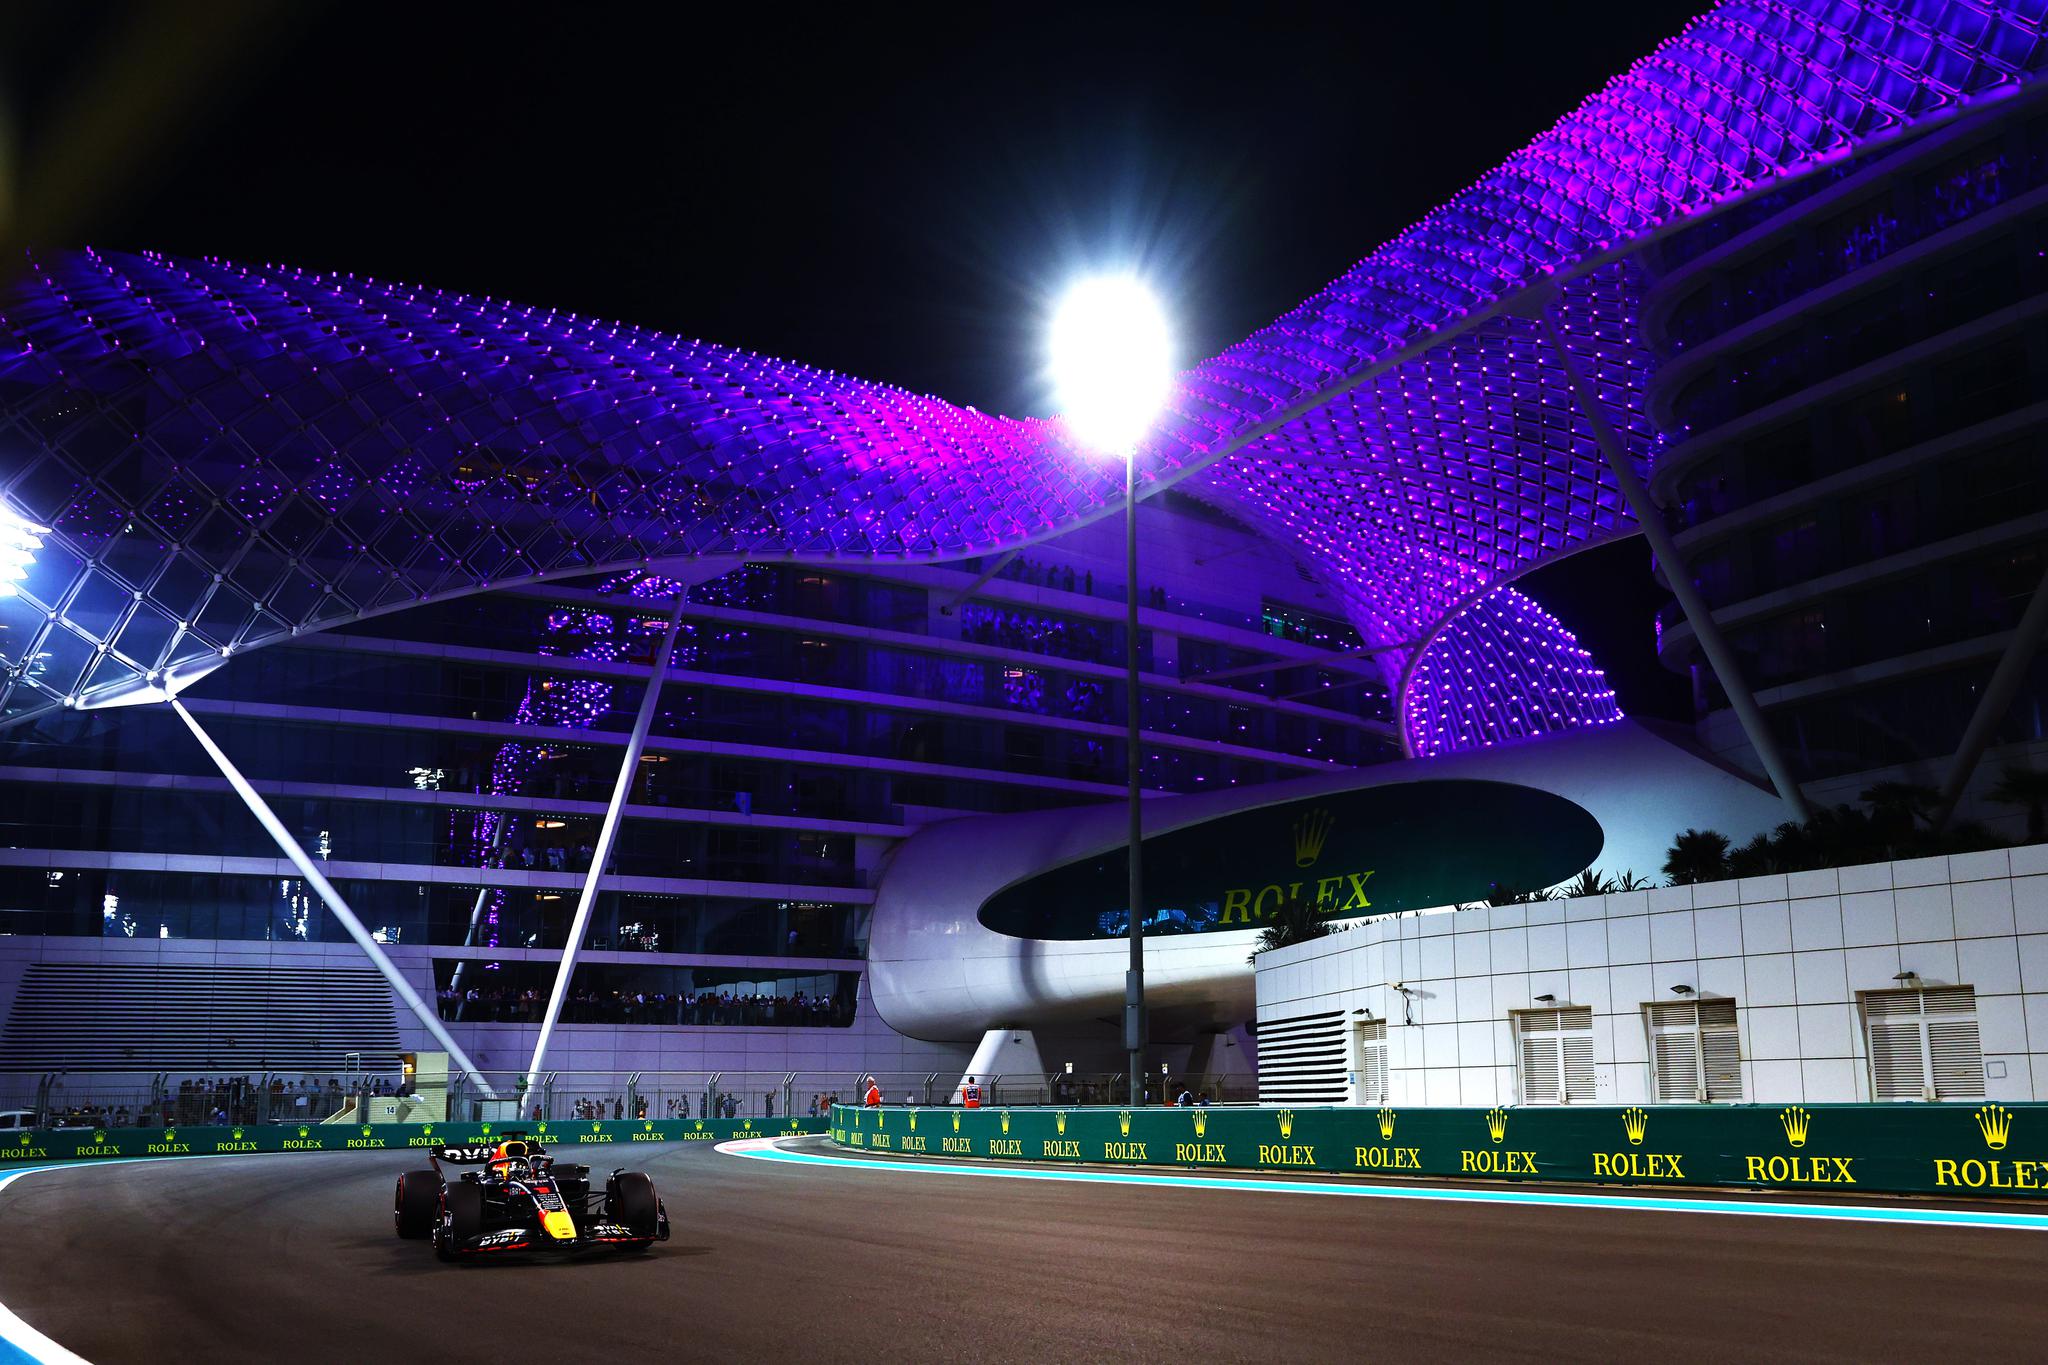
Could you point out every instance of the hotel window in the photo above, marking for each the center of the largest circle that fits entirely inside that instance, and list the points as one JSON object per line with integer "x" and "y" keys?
{"x": 1695, "y": 1051}
{"x": 1554, "y": 1054}
{"x": 1924, "y": 1044}
{"x": 1368, "y": 1061}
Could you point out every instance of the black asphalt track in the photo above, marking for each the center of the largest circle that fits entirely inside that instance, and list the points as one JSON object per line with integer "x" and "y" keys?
{"x": 291, "y": 1258}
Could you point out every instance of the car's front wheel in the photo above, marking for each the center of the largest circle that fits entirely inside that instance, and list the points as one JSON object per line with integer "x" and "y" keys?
{"x": 462, "y": 1216}
{"x": 630, "y": 1199}
{"x": 416, "y": 1204}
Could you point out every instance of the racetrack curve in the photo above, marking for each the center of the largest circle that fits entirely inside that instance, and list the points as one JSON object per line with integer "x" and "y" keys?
{"x": 268, "y": 1258}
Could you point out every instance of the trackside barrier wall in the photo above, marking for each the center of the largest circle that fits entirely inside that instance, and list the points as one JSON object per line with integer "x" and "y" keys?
{"x": 1969, "y": 1149}
{"x": 64, "y": 1144}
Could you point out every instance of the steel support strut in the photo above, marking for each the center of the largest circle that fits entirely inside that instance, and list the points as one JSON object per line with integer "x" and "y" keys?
{"x": 1998, "y": 694}
{"x": 338, "y": 907}
{"x": 607, "y": 834}
{"x": 1701, "y": 617}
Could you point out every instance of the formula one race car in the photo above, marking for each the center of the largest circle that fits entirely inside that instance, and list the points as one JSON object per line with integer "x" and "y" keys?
{"x": 524, "y": 1201}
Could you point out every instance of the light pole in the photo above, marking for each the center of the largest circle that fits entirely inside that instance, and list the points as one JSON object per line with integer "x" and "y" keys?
{"x": 1112, "y": 366}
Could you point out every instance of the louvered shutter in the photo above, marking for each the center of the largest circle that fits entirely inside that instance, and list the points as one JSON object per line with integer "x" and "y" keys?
{"x": 1675, "y": 1051}
{"x": 1924, "y": 1044}
{"x": 1954, "y": 1048}
{"x": 1576, "y": 1030}
{"x": 1721, "y": 1050}
{"x": 1556, "y": 1052}
{"x": 1539, "y": 1057}
{"x": 1371, "y": 1038}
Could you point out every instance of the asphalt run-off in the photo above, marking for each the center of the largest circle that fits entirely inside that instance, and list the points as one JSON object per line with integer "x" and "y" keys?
{"x": 793, "y": 1249}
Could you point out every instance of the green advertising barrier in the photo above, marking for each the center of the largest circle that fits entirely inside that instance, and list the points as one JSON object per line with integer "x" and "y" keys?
{"x": 1995, "y": 1150}
{"x": 70, "y": 1144}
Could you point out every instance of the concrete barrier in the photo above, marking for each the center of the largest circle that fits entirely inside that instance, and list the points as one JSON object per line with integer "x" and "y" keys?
{"x": 1976, "y": 1150}
{"x": 85, "y": 1144}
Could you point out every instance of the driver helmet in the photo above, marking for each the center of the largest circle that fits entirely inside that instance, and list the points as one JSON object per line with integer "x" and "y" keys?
{"x": 509, "y": 1161}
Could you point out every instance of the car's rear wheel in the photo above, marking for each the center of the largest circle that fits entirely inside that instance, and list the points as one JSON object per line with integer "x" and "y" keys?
{"x": 462, "y": 1216}
{"x": 630, "y": 1199}
{"x": 416, "y": 1204}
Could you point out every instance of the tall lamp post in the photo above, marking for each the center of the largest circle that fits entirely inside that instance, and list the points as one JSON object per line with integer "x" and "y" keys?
{"x": 1112, "y": 366}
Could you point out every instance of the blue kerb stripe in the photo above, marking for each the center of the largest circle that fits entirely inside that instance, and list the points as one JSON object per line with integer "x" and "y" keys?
{"x": 1906, "y": 1213}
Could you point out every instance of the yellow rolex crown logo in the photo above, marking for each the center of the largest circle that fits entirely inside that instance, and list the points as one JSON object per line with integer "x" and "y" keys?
{"x": 24, "y": 1136}
{"x": 1286, "y": 1117}
{"x": 647, "y": 1127}
{"x": 1005, "y": 1116}
{"x": 100, "y": 1136}
{"x": 1060, "y": 1122}
{"x": 595, "y": 1128}
{"x": 1996, "y": 1122}
{"x": 1634, "y": 1122}
{"x": 1309, "y": 833}
{"x": 1201, "y": 1122}
{"x": 303, "y": 1130}
{"x": 1386, "y": 1125}
{"x": 427, "y": 1130}
{"x": 881, "y": 1118}
{"x": 956, "y": 1123}
{"x": 913, "y": 1120}
{"x": 543, "y": 1128}
{"x": 1497, "y": 1124}
{"x": 1123, "y": 1122}
{"x": 747, "y": 1124}
{"x": 366, "y": 1130}
{"x": 700, "y": 1123}
{"x": 486, "y": 1130}
{"x": 1796, "y": 1120}
{"x": 171, "y": 1134}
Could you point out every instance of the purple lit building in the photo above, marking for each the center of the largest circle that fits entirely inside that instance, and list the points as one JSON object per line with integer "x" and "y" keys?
{"x": 413, "y": 560}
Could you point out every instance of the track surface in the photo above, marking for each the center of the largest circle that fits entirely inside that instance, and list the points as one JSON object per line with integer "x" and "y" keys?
{"x": 292, "y": 1257}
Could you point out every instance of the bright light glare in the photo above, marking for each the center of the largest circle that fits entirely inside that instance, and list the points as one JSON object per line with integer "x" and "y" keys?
{"x": 1112, "y": 361}
{"x": 19, "y": 541}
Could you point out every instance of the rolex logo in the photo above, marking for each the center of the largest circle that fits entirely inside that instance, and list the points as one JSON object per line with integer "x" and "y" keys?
{"x": 881, "y": 1119}
{"x": 1201, "y": 1123}
{"x": 24, "y": 1136}
{"x": 1995, "y": 1120}
{"x": 595, "y": 1128}
{"x": 1286, "y": 1117}
{"x": 1497, "y": 1124}
{"x": 366, "y": 1130}
{"x": 171, "y": 1134}
{"x": 1634, "y": 1122}
{"x": 543, "y": 1128}
{"x": 101, "y": 1136}
{"x": 486, "y": 1130}
{"x": 647, "y": 1127}
{"x": 913, "y": 1120}
{"x": 303, "y": 1130}
{"x": 1123, "y": 1122}
{"x": 956, "y": 1123}
{"x": 1060, "y": 1122}
{"x": 1796, "y": 1121}
{"x": 1005, "y": 1117}
{"x": 747, "y": 1124}
{"x": 1386, "y": 1125}
{"x": 700, "y": 1123}
{"x": 427, "y": 1130}
{"x": 1309, "y": 833}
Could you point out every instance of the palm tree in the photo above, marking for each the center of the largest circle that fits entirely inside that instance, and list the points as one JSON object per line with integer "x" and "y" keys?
{"x": 1698, "y": 855}
{"x": 1630, "y": 881}
{"x": 1296, "y": 921}
{"x": 2027, "y": 787}
{"x": 1898, "y": 808}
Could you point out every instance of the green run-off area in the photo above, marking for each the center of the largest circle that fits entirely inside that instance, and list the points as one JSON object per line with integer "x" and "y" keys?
{"x": 1957, "y": 1149}
{"x": 69, "y": 1144}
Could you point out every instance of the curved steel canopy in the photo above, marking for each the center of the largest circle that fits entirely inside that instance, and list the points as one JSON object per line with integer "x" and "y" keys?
{"x": 227, "y": 456}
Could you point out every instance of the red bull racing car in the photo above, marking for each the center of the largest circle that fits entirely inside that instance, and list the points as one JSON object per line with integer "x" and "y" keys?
{"x": 522, "y": 1201}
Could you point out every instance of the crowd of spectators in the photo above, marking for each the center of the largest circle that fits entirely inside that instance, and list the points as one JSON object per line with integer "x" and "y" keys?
{"x": 224, "y": 1100}
{"x": 511, "y": 1005}
{"x": 1050, "y": 635}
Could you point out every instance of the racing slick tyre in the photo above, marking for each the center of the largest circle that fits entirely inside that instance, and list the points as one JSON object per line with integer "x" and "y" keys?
{"x": 630, "y": 1199}
{"x": 462, "y": 1216}
{"x": 416, "y": 1203}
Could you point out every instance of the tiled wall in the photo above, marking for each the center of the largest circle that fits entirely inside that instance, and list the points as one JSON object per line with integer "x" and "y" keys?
{"x": 1791, "y": 951}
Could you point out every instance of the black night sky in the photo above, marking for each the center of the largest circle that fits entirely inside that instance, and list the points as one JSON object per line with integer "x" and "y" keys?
{"x": 884, "y": 191}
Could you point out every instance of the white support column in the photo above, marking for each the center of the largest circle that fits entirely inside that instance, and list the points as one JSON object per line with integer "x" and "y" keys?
{"x": 1998, "y": 694}
{"x": 607, "y": 834}
{"x": 1701, "y": 616}
{"x": 335, "y": 904}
